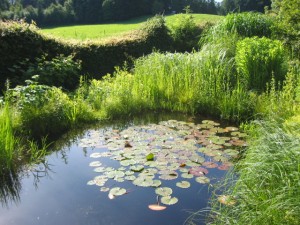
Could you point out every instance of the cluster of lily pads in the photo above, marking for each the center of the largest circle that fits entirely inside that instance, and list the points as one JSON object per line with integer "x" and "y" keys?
{"x": 170, "y": 150}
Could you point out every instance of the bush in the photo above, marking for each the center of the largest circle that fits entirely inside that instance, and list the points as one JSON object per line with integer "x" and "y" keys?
{"x": 25, "y": 45}
{"x": 258, "y": 60}
{"x": 59, "y": 71}
{"x": 185, "y": 33}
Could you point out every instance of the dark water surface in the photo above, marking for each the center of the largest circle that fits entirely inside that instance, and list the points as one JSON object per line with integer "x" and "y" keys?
{"x": 61, "y": 196}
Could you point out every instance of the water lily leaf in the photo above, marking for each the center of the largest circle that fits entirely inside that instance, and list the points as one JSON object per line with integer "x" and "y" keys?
{"x": 219, "y": 158}
{"x": 95, "y": 164}
{"x": 238, "y": 134}
{"x": 163, "y": 191}
{"x": 183, "y": 184}
{"x": 115, "y": 174}
{"x": 223, "y": 167}
{"x": 104, "y": 189}
{"x": 95, "y": 155}
{"x": 168, "y": 200}
{"x": 119, "y": 179}
{"x": 127, "y": 162}
{"x": 198, "y": 171}
{"x": 227, "y": 200}
{"x": 99, "y": 169}
{"x": 202, "y": 180}
{"x": 91, "y": 182}
{"x": 130, "y": 177}
{"x": 117, "y": 191}
{"x": 128, "y": 173}
{"x": 143, "y": 182}
{"x": 231, "y": 129}
{"x": 187, "y": 175}
{"x": 231, "y": 152}
{"x": 137, "y": 168}
{"x": 210, "y": 165}
{"x": 156, "y": 183}
{"x": 150, "y": 157}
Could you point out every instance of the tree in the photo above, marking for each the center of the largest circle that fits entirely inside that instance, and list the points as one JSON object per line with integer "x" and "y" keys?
{"x": 4, "y": 5}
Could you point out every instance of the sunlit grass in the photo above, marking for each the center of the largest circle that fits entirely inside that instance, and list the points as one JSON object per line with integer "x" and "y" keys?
{"x": 102, "y": 31}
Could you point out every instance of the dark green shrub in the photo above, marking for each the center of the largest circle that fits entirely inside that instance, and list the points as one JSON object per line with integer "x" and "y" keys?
{"x": 258, "y": 60}
{"x": 59, "y": 71}
{"x": 185, "y": 33}
{"x": 25, "y": 45}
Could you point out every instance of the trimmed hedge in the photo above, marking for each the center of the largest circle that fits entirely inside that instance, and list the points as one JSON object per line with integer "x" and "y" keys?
{"x": 21, "y": 44}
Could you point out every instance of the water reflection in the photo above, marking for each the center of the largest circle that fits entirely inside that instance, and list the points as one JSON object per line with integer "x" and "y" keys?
{"x": 10, "y": 187}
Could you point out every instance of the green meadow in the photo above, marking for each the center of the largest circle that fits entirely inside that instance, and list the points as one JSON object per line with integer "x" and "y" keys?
{"x": 100, "y": 31}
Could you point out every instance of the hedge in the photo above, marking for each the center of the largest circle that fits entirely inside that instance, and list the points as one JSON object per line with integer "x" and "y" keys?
{"x": 22, "y": 43}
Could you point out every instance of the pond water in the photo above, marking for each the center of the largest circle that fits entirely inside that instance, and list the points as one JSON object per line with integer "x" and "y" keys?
{"x": 110, "y": 175}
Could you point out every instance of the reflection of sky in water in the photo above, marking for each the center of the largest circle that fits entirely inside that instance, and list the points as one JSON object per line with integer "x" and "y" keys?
{"x": 64, "y": 198}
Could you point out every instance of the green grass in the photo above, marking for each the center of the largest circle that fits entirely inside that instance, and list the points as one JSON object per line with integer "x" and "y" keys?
{"x": 102, "y": 31}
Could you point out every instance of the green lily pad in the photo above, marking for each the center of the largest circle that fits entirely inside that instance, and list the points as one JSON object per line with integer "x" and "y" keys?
{"x": 104, "y": 189}
{"x": 99, "y": 169}
{"x": 91, "y": 182}
{"x": 168, "y": 200}
{"x": 150, "y": 157}
{"x": 163, "y": 191}
{"x": 202, "y": 180}
{"x": 156, "y": 183}
{"x": 187, "y": 175}
{"x": 143, "y": 182}
{"x": 95, "y": 164}
{"x": 117, "y": 191}
{"x": 137, "y": 168}
{"x": 95, "y": 155}
{"x": 115, "y": 174}
{"x": 183, "y": 184}
{"x": 130, "y": 177}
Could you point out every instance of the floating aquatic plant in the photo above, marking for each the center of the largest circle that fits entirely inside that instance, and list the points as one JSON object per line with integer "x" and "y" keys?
{"x": 171, "y": 150}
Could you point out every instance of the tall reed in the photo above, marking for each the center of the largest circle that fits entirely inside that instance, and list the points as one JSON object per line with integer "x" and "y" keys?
{"x": 8, "y": 141}
{"x": 267, "y": 189}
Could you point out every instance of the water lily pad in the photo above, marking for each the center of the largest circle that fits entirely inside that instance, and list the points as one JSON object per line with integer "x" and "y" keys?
{"x": 223, "y": 167}
{"x": 115, "y": 174}
{"x": 187, "y": 175}
{"x": 156, "y": 183}
{"x": 150, "y": 157}
{"x": 210, "y": 165}
{"x": 156, "y": 207}
{"x": 168, "y": 200}
{"x": 91, "y": 182}
{"x": 231, "y": 129}
{"x": 117, "y": 191}
{"x": 137, "y": 168}
{"x": 183, "y": 184}
{"x": 130, "y": 177}
{"x": 95, "y": 155}
{"x": 163, "y": 191}
{"x": 231, "y": 152}
{"x": 198, "y": 171}
{"x": 143, "y": 182}
{"x": 95, "y": 164}
{"x": 104, "y": 189}
{"x": 202, "y": 180}
{"x": 99, "y": 169}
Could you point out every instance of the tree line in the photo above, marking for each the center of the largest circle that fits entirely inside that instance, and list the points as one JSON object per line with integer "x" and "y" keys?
{"x": 57, "y": 12}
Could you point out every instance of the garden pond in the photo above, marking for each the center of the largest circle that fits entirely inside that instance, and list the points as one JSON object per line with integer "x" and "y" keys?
{"x": 158, "y": 170}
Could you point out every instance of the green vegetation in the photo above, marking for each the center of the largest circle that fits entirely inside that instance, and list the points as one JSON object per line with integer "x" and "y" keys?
{"x": 96, "y": 31}
{"x": 220, "y": 79}
{"x": 111, "y": 30}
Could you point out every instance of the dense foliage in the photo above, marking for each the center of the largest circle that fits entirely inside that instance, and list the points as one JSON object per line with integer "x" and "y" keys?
{"x": 50, "y": 12}
{"x": 34, "y": 53}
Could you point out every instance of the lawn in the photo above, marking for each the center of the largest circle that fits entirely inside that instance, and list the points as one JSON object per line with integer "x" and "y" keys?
{"x": 101, "y": 31}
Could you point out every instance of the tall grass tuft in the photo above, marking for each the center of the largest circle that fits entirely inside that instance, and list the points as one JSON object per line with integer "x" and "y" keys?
{"x": 258, "y": 60}
{"x": 8, "y": 141}
{"x": 200, "y": 82}
{"x": 267, "y": 189}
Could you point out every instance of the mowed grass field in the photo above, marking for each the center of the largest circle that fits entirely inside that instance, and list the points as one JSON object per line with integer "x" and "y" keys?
{"x": 102, "y": 31}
